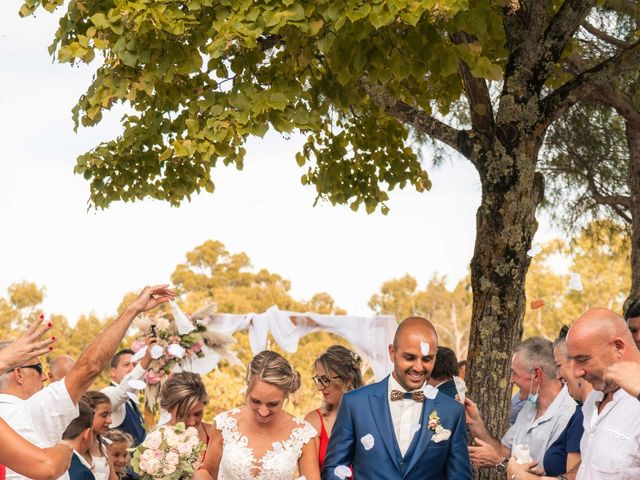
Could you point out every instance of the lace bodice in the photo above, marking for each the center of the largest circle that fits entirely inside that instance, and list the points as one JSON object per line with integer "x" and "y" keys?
{"x": 278, "y": 463}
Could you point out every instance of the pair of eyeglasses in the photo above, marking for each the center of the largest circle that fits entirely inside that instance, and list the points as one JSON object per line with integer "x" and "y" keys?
{"x": 323, "y": 381}
{"x": 36, "y": 366}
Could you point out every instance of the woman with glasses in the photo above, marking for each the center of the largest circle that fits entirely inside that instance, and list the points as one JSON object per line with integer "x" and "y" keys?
{"x": 337, "y": 372}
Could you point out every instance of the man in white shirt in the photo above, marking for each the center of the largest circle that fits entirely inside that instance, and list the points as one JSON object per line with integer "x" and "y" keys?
{"x": 547, "y": 410}
{"x": 610, "y": 445}
{"x": 41, "y": 414}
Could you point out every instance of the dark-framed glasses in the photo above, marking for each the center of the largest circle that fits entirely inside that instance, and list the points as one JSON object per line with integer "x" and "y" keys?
{"x": 36, "y": 366}
{"x": 323, "y": 381}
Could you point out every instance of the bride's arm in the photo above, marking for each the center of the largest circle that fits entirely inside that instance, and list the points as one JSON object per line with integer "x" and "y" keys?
{"x": 308, "y": 461}
{"x": 209, "y": 468}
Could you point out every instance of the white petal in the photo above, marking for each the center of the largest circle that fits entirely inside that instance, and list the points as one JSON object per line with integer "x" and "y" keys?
{"x": 430, "y": 391}
{"x": 342, "y": 472}
{"x": 183, "y": 324}
{"x": 136, "y": 384}
{"x": 575, "y": 282}
{"x": 424, "y": 348}
{"x": 176, "y": 350}
{"x": 301, "y": 478}
{"x": 367, "y": 441}
{"x": 534, "y": 250}
{"x": 156, "y": 352}
{"x": 139, "y": 354}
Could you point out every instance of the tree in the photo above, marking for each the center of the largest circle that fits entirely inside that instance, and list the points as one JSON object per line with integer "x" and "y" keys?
{"x": 593, "y": 153}
{"x": 201, "y": 76}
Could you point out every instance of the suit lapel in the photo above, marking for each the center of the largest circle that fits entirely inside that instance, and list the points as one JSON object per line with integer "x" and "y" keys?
{"x": 382, "y": 418}
{"x": 422, "y": 438}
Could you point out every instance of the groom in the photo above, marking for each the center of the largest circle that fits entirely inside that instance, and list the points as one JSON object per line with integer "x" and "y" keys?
{"x": 400, "y": 428}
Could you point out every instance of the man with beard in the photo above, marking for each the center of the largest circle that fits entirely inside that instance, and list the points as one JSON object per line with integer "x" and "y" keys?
{"x": 610, "y": 446}
{"x": 401, "y": 427}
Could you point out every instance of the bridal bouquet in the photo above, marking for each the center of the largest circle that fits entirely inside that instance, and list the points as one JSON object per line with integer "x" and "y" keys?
{"x": 168, "y": 453}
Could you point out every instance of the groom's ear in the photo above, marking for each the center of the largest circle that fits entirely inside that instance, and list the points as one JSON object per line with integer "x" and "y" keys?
{"x": 392, "y": 351}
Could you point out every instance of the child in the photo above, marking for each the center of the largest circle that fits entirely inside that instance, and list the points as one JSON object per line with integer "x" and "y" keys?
{"x": 117, "y": 444}
{"x": 79, "y": 434}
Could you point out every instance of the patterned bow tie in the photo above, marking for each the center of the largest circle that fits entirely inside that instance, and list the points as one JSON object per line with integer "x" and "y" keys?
{"x": 415, "y": 396}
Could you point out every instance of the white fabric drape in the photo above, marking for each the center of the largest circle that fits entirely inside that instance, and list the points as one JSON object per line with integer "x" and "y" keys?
{"x": 370, "y": 336}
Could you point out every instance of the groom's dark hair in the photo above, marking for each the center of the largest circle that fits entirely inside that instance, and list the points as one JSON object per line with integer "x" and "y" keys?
{"x": 407, "y": 322}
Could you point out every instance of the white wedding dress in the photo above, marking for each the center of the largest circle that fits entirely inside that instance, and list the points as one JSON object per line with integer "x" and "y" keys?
{"x": 278, "y": 463}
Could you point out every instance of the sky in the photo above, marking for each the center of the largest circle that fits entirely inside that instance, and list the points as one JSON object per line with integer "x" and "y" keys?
{"x": 87, "y": 260}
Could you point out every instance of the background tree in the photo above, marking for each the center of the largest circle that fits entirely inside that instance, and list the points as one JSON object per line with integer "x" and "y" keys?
{"x": 201, "y": 76}
{"x": 593, "y": 153}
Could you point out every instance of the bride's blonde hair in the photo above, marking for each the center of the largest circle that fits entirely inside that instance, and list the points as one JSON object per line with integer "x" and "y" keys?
{"x": 272, "y": 368}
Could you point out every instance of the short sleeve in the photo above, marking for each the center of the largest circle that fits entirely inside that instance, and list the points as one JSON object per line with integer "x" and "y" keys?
{"x": 51, "y": 410}
{"x": 507, "y": 438}
{"x": 575, "y": 431}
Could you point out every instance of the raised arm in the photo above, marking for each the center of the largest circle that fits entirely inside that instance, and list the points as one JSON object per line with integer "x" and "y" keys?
{"x": 27, "y": 347}
{"x": 26, "y": 459}
{"x": 94, "y": 358}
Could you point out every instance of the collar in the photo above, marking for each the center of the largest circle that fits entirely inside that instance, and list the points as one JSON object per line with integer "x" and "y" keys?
{"x": 394, "y": 385}
{"x": 10, "y": 399}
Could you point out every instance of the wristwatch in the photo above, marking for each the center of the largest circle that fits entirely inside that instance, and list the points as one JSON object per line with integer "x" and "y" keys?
{"x": 502, "y": 466}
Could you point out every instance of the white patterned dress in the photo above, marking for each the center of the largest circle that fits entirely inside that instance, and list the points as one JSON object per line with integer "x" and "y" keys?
{"x": 278, "y": 463}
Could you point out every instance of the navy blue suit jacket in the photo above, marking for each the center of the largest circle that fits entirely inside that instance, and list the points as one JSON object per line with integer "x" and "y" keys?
{"x": 366, "y": 411}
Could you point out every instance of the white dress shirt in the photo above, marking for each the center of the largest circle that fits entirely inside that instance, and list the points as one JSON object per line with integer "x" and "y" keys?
{"x": 120, "y": 394}
{"x": 539, "y": 433}
{"x": 42, "y": 418}
{"x": 405, "y": 415}
{"x": 610, "y": 445}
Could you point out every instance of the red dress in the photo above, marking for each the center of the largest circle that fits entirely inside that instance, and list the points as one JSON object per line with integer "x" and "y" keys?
{"x": 3, "y": 472}
{"x": 324, "y": 442}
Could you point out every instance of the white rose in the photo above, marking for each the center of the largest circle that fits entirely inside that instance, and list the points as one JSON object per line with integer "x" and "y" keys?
{"x": 163, "y": 324}
{"x": 173, "y": 440}
{"x": 169, "y": 469}
{"x": 172, "y": 458}
{"x": 185, "y": 449}
{"x": 153, "y": 441}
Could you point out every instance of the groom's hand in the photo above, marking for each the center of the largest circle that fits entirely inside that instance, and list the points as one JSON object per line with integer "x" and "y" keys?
{"x": 484, "y": 455}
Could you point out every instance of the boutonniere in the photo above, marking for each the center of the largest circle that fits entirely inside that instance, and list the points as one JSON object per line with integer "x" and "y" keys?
{"x": 439, "y": 432}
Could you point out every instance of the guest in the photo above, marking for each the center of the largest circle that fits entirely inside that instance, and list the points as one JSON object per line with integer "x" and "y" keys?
{"x": 184, "y": 397}
{"x": 40, "y": 414}
{"x": 126, "y": 415}
{"x": 400, "y": 428}
{"x": 632, "y": 317}
{"x": 118, "y": 452}
{"x": 79, "y": 434}
{"x": 96, "y": 455}
{"x": 259, "y": 439}
{"x": 540, "y": 422}
{"x": 59, "y": 367}
{"x": 17, "y": 453}
{"x": 609, "y": 447}
{"x": 444, "y": 369}
{"x": 337, "y": 372}
{"x": 516, "y": 405}
{"x": 563, "y": 454}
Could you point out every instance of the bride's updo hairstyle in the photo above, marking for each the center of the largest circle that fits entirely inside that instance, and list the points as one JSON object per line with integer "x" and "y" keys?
{"x": 272, "y": 368}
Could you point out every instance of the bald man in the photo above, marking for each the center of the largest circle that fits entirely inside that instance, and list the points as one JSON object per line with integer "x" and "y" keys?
{"x": 401, "y": 427}
{"x": 60, "y": 366}
{"x": 610, "y": 446}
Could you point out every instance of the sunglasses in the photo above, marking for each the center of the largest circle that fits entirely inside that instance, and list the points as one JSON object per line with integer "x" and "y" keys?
{"x": 323, "y": 381}
{"x": 36, "y": 366}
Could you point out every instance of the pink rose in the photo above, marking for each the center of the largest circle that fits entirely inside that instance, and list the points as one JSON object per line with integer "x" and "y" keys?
{"x": 137, "y": 346}
{"x": 151, "y": 377}
{"x": 196, "y": 347}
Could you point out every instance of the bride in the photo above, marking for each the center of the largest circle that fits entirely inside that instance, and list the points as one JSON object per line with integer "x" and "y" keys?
{"x": 260, "y": 441}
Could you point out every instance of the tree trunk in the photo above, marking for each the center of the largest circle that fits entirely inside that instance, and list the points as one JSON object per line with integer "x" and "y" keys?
{"x": 506, "y": 224}
{"x": 633, "y": 143}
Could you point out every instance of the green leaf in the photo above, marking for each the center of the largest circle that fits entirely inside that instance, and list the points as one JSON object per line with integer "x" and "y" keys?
{"x": 100, "y": 20}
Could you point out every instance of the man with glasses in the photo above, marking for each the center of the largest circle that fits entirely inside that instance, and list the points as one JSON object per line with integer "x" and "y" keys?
{"x": 40, "y": 414}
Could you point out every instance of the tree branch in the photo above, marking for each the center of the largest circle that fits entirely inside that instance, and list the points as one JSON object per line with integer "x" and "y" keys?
{"x": 628, "y": 7}
{"x": 460, "y": 140}
{"x": 615, "y": 100}
{"x": 572, "y": 91}
{"x": 604, "y": 36}
{"x": 618, "y": 203}
{"x": 477, "y": 93}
